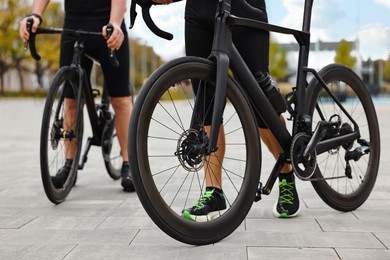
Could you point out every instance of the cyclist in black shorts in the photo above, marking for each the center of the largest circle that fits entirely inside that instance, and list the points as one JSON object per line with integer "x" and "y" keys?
{"x": 254, "y": 48}
{"x": 94, "y": 15}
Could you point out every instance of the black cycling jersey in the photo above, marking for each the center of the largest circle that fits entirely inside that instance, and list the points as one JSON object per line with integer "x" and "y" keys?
{"x": 252, "y": 44}
{"x": 88, "y": 9}
{"x": 92, "y": 15}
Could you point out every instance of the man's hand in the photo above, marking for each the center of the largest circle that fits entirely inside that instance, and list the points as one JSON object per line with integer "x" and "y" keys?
{"x": 116, "y": 39}
{"x": 24, "y": 34}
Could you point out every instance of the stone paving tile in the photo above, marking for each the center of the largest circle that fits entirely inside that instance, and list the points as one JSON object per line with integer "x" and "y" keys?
{"x": 266, "y": 253}
{"x": 304, "y": 239}
{"x": 15, "y": 222}
{"x": 51, "y": 236}
{"x": 9, "y": 211}
{"x": 374, "y": 224}
{"x": 65, "y": 223}
{"x": 123, "y": 223}
{"x": 384, "y": 237}
{"x": 280, "y": 225}
{"x": 34, "y": 251}
{"x": 156, "y": 252}
{"x": 363, "y": 254}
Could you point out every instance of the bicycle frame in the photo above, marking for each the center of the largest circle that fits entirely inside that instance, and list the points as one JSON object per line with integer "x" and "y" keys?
{"x": 85, "y": 90}
{"x": 227, "y": 56}
{"x": 84, "y": 86}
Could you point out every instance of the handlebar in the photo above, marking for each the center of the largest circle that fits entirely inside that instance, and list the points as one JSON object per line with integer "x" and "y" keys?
{"x": 250, "y": 11}
{"x": 145, "y": 5}
{"x": 31, "y": 41}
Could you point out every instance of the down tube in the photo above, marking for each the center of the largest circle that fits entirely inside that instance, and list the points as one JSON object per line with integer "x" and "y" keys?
{"x": 260, "y": 101}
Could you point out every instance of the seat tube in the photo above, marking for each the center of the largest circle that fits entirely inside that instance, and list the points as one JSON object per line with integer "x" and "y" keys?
{"x": 304, "y": 50}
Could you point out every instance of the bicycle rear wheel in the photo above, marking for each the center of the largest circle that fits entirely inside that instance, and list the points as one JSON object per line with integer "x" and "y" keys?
{"x": 168, "y": 175}
{"x": 59, "y": 136}
{"x": 340, "y": 191}
{"x": 111, "y": 149}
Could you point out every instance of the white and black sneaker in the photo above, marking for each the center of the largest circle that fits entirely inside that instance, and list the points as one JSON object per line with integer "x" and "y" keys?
{"x": 208, "y": 207}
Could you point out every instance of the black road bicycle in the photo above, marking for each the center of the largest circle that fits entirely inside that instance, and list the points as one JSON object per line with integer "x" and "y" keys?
{"x": 334, "y": 143}
{"x": 61, "y": 136}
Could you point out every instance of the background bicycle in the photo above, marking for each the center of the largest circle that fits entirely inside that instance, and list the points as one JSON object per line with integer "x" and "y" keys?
{"x": 61, "y": 134}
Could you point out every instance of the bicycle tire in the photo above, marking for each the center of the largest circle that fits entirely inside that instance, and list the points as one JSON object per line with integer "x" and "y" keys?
{"x": 111, "y": 150}
{"x": 157, "y": 171}
{"x": 343, "y": 193}
{"x": 52, "y": 146}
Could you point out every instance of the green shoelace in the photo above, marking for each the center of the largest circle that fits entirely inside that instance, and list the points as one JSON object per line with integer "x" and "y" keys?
{"x": 208, "y": 195}
{"x": 286, "y": 192}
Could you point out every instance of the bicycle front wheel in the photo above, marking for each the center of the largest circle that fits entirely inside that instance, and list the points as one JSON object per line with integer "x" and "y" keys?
{"x": 61, "y": 136}
{"x": 342, "y": 189}
{"x": 166, "y": 159}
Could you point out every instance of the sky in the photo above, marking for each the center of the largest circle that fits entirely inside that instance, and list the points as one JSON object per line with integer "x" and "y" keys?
{"x": 367, "y": 21}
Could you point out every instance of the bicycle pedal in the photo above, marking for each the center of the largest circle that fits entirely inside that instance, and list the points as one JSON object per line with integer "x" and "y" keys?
{"x": 258, "y": 192}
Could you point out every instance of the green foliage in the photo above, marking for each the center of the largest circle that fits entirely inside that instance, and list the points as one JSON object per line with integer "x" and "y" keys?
{"x": 48, "y": 46}
{"x": 343, "y": 55}
{"x": 145, "y": 62}
{"x": 12, "y": 55}
{"x": 277, "y": 62}
{"x": 386, "y": 70}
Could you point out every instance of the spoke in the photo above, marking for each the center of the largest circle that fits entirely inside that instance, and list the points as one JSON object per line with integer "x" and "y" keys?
{"x": 167, "y": 127}
{"x": 233, "y": 131}
{"x": 162, "y": 138}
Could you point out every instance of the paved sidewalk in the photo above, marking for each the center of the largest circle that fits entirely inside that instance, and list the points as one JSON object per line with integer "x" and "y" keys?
{"x": 99, "y": 221}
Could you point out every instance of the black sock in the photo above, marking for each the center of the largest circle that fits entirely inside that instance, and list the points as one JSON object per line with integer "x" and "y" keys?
{"x": 290, "y": 177}
{"x": 210, "y": 188}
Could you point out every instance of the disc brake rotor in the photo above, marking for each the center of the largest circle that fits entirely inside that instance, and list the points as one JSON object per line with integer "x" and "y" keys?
{"x": 191, "y": 150}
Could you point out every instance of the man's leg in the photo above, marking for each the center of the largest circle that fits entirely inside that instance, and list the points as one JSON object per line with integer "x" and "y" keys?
{"x": 213, "y": 198}
{"x": 69, "y": 118}
{"x": 288, "y": 202}
{"x": 69, "y": 123}
{"x": 122, "y": 107}
{"x": 213, "y": 165}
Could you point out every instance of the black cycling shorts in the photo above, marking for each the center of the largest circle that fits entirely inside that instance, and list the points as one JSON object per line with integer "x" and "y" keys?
{"x": 116, "y": 79}
{"x": 252, "y": 44}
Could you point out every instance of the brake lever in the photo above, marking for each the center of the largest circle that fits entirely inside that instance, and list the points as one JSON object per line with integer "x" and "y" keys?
{"x": 31, "y": 41}
{"x": 29, "y": 24}
{"x": 111, "y": 53}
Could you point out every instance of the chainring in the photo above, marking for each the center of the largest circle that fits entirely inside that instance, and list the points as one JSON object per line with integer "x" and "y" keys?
{"x": 304, "y": 166}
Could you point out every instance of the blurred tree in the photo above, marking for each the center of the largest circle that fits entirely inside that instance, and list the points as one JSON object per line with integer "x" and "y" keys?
{"x": 343, "y": 55}
{"x": 277, "y": 62}
{"x": 386, "y": 70}
{"x": 48, "y": 46}
{"x": 11, "y": 49}
{"x": 12, "y": 54}
{"x": 145, "y": 62}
